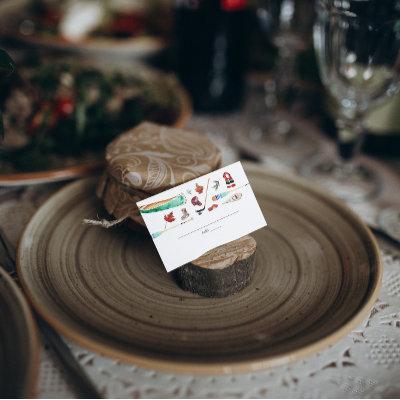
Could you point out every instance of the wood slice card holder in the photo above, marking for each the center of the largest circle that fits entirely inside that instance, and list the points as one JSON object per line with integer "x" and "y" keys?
{"x": 220, "y": 272}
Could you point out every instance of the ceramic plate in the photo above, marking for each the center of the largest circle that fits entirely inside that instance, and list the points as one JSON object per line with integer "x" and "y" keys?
{"x": 86, "y": 168}
{"x": 133, "y": 48}
{"x": 317, "y": 276}
{"x": 19, "y": 346}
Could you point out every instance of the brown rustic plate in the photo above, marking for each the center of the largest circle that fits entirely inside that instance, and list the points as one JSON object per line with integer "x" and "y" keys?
{"x": 19, "y": 346}
{"x": 87, "y": 168}
{"x": 317, "y": 275}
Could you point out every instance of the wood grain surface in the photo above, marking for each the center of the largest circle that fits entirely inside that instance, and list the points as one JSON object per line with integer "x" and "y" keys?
{"x": 317, "y": 275}
{"x": 220, "y": 272}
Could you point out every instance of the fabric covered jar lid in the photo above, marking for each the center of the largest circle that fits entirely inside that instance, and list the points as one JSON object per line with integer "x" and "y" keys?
{"x": 152, "y": 158}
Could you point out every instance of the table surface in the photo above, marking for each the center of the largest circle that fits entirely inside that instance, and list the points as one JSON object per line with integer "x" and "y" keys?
{"x": 364, "y": 364}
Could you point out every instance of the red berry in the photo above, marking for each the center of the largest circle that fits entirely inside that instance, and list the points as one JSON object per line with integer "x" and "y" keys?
{"x": 65, "y": 107}
{"x": 45, "y": 115}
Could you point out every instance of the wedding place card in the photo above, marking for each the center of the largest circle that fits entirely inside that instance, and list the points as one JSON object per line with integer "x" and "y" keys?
{"x": 190, "y": 219}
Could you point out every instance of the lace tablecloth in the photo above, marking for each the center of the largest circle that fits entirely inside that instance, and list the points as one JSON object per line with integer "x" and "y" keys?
{"x": 364, "y": 364}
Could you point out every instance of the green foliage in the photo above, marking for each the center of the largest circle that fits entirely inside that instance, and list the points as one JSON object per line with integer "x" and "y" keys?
{"x": 77, "y": 110}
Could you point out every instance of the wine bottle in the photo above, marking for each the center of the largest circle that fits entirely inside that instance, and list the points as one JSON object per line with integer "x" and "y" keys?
{"x": 211, "y": 41}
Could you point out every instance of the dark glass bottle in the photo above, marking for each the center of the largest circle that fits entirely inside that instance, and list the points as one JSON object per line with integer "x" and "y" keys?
{"x": 211, "y": 40}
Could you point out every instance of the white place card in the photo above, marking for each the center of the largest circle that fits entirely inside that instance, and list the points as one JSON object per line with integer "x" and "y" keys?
{"x": 197, "y": 216}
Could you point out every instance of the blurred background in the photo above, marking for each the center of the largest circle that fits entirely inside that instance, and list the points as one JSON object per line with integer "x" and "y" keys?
{"x": 86, "y": 70}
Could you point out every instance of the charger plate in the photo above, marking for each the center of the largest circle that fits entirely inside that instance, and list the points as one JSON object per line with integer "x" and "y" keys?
{"x": 317, "y": 276}
{"x": 19, "y": 346}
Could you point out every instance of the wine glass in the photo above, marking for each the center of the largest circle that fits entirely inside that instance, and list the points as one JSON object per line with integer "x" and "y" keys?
{"x": 289, "y": 25}
{"x": 357, "y": 44}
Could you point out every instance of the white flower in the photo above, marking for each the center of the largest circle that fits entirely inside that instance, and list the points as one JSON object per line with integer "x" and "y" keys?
{"x": 80, "y": 18}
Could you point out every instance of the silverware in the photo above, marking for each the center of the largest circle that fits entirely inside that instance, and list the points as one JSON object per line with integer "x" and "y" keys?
{"x": 76, "y": 375}
{"x": 383, "y": 234}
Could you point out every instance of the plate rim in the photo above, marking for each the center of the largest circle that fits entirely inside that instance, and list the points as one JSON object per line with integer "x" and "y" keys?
{"x": 30, "y": 384}
{"x": 91, "y": 167}
{"x": 139, "y": 46}
{"x": 226, "y": 367}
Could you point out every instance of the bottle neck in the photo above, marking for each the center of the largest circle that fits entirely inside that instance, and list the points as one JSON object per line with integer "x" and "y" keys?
{"x": 233, "y": 5}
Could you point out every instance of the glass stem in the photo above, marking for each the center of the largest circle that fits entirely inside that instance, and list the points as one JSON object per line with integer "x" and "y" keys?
{"x": 350, "y": 138}
{"x": 283, "y": 78}
{"x": 285, "y": 69}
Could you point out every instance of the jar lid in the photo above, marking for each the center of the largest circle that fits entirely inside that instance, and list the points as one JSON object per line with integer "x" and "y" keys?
{"x": 152, "y": 158}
